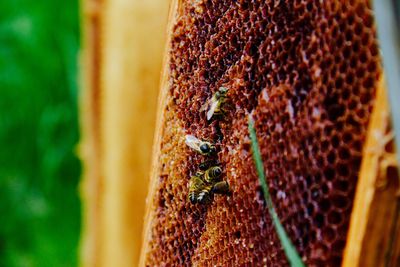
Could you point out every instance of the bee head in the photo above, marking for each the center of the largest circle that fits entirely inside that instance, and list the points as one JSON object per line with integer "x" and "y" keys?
{"x": 203, "y": 166}
{"x": 206, "y": 148}
{"x": 222, "y": 90}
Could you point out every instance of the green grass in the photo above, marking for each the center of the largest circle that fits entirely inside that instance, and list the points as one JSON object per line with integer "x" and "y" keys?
{"x": 290, "y": 251}
{"x": 39, "y": 170}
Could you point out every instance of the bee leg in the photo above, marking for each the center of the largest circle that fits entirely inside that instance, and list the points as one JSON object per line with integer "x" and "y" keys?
{"x": 227, "y": 105}
{"x": 222, "y": 112}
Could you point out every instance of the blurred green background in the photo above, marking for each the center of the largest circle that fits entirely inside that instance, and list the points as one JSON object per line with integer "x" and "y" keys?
{"x": 39, "y": 169}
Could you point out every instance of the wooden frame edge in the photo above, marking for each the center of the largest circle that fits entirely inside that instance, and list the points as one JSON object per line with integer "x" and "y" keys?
{"x": 158, "y": 133}
{"x": 361, "y": 237}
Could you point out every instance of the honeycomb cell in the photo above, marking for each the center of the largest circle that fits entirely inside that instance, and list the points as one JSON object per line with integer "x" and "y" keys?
{"x": 307, "y": 72}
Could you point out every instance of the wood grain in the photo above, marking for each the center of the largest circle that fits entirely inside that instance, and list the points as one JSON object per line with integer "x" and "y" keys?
{"x": 162, "y": 98}
{"x": 122, "y": 52}
{"x": 370, "y": 239}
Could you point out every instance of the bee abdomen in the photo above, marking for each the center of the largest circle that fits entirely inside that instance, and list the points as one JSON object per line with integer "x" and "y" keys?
{"x": 192, "y": 197}
{"x": 205, "y": 165}
{"x": 212, "y": 174}
{"x": 221, "y": 188}
{"x": 204, "y": 196}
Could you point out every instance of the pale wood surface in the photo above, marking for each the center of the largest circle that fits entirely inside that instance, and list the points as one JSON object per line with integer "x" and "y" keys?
{"x": 90, "y": 120}
{"x": 128, "y": 37}
{"x": 162, "y": 98}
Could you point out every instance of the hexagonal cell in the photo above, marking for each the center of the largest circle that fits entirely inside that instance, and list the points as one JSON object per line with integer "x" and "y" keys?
{"x": 307, "y": 71}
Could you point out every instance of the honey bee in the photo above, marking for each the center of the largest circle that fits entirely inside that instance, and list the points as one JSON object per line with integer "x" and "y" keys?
{"x": 207, "y": 164}
{"x": 203, "y": 147}
{"x": 212, "y": 174}
{"x": 221, "y": 188}
{"x": 199, "y": 191}
{"x": 214, "y": 105}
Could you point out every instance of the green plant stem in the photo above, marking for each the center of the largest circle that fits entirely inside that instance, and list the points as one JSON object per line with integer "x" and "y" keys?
{"x": 290, "y": 251}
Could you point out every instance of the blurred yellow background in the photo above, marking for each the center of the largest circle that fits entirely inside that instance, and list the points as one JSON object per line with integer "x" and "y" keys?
{"x": 126, "y": 41}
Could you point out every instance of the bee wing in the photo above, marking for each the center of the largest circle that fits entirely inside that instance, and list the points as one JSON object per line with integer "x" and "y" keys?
{"x": 213, "y": 107}
{"x": 192, "y": 142}
{"x": 205, "y": 106}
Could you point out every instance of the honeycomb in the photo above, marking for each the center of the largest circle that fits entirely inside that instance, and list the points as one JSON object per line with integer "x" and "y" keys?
{"x": 306, "y": 71}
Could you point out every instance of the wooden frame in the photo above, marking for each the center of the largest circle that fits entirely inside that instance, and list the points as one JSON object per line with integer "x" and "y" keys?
{"x": 114, "y": 197}
{"x": 373, "y": 238}
{"x": 121, "y": 64}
